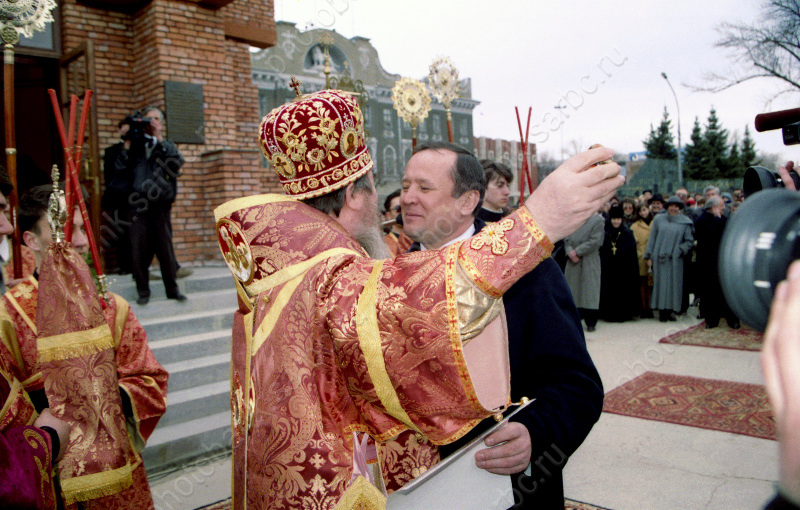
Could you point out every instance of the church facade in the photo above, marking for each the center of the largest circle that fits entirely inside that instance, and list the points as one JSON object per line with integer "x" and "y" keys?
{"x": 302, "y": 55}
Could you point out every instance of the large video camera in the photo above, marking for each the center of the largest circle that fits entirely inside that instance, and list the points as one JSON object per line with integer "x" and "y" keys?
{"x": 138, "y": 127}
{"x": 763, "y": 237}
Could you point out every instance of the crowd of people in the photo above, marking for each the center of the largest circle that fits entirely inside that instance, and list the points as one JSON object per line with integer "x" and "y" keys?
{"x": 636, "y": 257}
{"x": 647, "y": 256}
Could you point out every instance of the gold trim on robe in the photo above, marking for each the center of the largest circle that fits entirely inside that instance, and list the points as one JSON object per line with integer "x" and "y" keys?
{"x": 75, "y": 344}
{"x": 137, "y": 372}
{"x": 324, "y": 328}
{"x": 369, "y": 340}
{"x": 361, "y": 495}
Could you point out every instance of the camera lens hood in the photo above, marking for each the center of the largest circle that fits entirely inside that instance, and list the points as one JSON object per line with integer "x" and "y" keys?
{"x": 760, "y": 241}
{"x": 757, "y": 178}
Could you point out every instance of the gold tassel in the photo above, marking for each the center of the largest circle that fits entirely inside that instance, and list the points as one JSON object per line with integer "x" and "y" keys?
{"x": 97, "y": 485}
{"x": 76, "y": 344}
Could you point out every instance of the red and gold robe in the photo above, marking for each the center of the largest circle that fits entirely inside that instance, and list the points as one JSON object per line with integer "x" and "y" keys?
{"x": 139, "y": 375}
{"x": 25, "y": 451}
{"x": 328, "y": 342}
{"x": 28, "y": 264}
{"x": 397, "y": 244}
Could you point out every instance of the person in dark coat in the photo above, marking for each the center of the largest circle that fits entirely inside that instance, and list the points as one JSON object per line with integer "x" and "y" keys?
{"x": 549, "y": 359}
{"x": 619, "y": 273}
{"x": 154, "y": 163}
{"x": 708, "y": 232}
{"x": 118, "y": 180}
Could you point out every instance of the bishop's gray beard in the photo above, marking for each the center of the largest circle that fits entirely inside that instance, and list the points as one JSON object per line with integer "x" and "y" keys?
{"x": 371, "y": 239}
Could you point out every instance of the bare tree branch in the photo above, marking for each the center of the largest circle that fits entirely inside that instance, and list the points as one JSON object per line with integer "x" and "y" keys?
{"x": 768, "y": 49}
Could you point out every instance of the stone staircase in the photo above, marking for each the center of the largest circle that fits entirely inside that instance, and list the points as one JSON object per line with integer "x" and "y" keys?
{"x": 192, "y": 340}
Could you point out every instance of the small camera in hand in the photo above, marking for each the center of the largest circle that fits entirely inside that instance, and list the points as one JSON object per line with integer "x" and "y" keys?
{"x": 139, "y": 127}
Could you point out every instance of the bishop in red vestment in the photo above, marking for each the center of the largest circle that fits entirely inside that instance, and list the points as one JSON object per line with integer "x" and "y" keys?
{"x": 346, "y": 370}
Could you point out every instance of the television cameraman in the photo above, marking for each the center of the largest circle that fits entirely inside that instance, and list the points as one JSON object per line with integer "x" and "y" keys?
{"x": 780, "y": 362}
{"x": 154, "y": 164}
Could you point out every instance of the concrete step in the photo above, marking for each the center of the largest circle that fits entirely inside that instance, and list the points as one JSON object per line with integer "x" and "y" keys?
{"x": 191, "y": 340}
{"x": 197, "y": 302}
{"x": 196, "y": 402}
{"x": 173, "y": 446}
{"x": 194, "y": 372}
{"x": 202, "y": 279}
{"x": 183, "y": 324}
{"x": 172, "y": 350}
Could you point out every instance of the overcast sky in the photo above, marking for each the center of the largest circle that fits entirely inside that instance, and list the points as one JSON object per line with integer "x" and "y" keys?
{"x": 602, "y": 60}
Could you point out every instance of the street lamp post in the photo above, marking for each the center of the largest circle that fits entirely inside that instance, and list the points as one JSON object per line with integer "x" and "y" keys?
{"x": 678, "y": 107}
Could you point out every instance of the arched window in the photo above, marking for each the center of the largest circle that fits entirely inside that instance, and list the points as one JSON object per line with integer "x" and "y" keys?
{"x": 390, "y": 165}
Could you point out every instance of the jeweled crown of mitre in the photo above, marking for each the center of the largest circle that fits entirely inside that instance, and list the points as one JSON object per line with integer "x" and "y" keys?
{"x": 316, "y": 143}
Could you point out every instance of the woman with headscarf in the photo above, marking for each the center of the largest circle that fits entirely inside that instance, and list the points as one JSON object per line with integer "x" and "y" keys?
{"x": 671, "y": 237}
{"x": 641, "y": 232}
{"x": 619, "y": 286}
{"x": 629, "y": 211}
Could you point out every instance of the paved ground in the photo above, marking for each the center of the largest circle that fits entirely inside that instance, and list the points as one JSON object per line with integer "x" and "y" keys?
{"x": 625, "y": 463}
{"x": 629, "y": 463}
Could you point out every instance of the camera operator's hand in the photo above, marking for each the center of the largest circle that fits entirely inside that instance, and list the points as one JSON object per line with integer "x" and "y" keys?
{"x": 788, "y": 182}
{"x": 780, "y": 361}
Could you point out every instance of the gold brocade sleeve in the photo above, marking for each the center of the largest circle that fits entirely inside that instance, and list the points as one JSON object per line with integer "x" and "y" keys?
{"x": 10, "y": 356}
{"x": 142, "y": 378}
{"x": 417, "y": 310}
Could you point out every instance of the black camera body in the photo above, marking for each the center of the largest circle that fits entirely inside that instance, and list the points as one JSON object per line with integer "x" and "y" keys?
{"x": 760, "y": 241}
{"x": 763, "y": 237}
{"x": 791, "y": 134}
{"x": 757, "y": 178}
{"x": 138, "y": 127}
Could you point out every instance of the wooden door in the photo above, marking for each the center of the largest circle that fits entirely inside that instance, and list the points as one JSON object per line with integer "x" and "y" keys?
{"x": 76, "y": 76}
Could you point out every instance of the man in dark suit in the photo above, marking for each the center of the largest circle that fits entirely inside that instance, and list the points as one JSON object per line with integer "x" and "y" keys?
{"x": 442, "y": 191}
{"x": 153, "y": 163}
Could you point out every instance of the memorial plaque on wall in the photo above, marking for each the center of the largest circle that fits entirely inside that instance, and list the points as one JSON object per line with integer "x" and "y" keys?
{"x": 184, "y": 109}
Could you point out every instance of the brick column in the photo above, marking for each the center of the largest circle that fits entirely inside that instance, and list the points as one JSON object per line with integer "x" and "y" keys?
{"x": 185, "y": 41}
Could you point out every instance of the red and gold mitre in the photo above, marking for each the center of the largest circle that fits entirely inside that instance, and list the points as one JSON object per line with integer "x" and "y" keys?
{"x": 316, "y": 143}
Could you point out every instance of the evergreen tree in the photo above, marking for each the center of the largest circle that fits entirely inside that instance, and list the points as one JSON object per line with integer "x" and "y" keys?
{"x": 659, "y": 144}
{"x": 694, "y": 154}
{"x": 749, "y": 156}
{"x": 716, "y": 139}
{"x": 735, "y": 166}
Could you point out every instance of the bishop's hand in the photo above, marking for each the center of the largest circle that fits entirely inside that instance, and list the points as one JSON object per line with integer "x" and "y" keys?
{"x": 573, "y": 192}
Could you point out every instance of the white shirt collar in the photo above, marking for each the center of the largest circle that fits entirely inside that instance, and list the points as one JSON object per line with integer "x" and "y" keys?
{"x": 5, "y": 249}
{"x": 466, "y": 235}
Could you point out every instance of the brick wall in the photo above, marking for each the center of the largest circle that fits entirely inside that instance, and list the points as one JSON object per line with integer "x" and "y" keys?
{"x": 186, "y": 42}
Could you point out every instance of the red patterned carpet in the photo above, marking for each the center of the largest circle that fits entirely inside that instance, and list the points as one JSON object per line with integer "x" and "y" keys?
{"x": 577, "y": 505}
{"x": 706, "y": 403}
{"x": 568, "y": 505}
{"x": 722, "y": 336}
{"x": 220, "y": 505}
